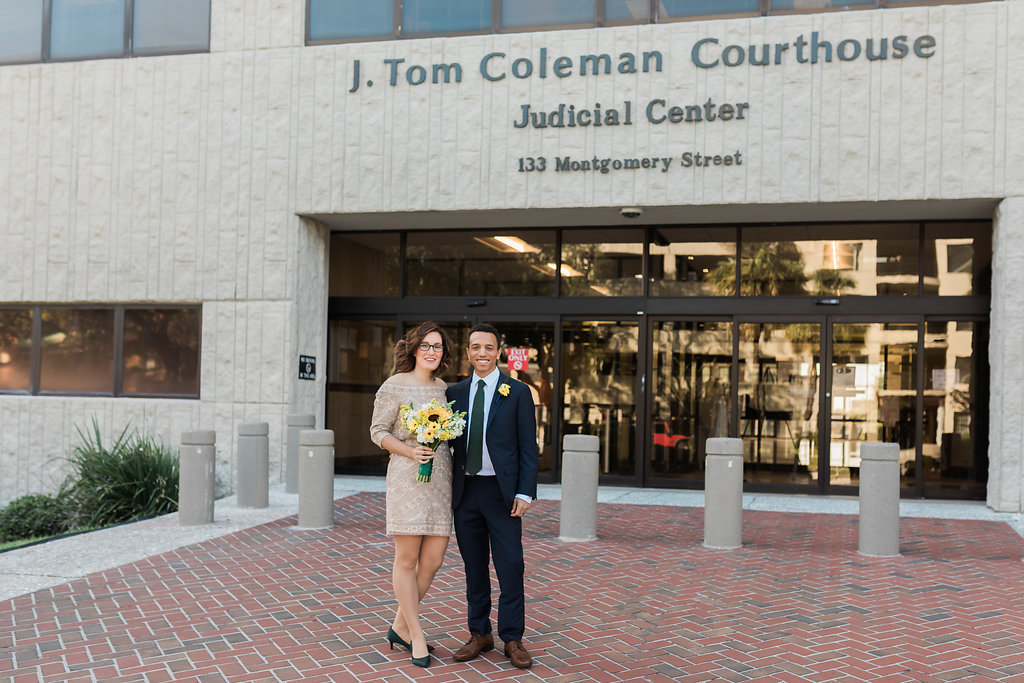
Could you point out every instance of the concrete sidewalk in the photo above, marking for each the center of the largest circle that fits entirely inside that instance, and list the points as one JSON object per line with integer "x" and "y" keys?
{"x": 253, "y": 598}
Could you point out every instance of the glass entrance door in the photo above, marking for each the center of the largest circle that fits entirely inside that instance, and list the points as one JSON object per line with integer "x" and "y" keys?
{"x": 779, "y": 396}
{"x": 873, "y": 396}
{"x": 691, "y": 389}
{"x": 600, "y": 395}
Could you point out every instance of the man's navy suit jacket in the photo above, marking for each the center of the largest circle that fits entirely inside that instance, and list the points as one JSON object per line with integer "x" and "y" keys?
{"x": 511, "y": 434}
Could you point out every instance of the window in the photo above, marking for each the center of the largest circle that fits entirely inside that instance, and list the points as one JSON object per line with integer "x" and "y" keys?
{"x": 21, "y": 31}
{"x": 350, "y": 20}
{"x": 92, "y": 29}
{"x": 161, "y": 351}
{"x": 627, "y": 11}
{"x": 529, "y": 13}
{"x": 104, "y": 350}
{"x": 15, "y": 349}
{"x": 694, "y": 8}
{"x": 160, "y": 27}
{"x": 446, "y": 16}
{"x": 82, "y": 29}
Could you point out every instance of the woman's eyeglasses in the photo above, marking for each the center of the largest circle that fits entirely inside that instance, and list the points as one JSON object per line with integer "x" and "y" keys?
{"x": 431, "y": 347}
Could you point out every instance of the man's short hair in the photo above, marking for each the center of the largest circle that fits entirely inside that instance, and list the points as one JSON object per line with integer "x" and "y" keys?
{"x": 485, "y": 327}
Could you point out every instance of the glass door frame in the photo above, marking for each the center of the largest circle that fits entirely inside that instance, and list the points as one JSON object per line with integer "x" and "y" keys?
{"x": 646, "y": 475}
{"x": 640, "y": 454}
{"x": 828, "y": 488}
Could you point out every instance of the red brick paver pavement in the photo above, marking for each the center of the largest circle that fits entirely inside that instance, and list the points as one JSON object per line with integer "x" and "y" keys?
{"x": 643, "y": 603}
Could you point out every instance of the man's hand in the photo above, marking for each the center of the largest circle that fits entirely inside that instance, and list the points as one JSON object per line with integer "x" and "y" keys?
{"x": 519, "y": 507}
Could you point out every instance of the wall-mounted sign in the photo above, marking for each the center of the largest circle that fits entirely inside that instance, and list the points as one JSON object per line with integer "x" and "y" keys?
{"x": 518, "y": 359}
{"x": 307, "y": 367}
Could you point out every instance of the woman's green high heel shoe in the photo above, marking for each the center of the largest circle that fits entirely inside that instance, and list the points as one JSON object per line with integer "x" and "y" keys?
{"x": 395, "y": 639}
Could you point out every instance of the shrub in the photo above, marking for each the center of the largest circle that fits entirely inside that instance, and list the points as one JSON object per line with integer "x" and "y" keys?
{"x": 136, "y": 476}
{"x": 32, "y": 516}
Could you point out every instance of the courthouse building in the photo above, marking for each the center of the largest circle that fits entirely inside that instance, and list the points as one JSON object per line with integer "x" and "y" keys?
{"x": 797, "y": 222}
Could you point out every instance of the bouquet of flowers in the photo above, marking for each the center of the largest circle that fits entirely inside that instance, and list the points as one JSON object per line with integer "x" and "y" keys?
{"x": 433, "y": 424}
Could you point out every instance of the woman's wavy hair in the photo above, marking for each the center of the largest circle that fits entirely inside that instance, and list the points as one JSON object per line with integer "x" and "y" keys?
{"x": 405, "y": 349}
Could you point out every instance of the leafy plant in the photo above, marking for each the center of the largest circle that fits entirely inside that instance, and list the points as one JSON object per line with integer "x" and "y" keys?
{"x": 135, "y": 476}
{"x": 32, "y": 516}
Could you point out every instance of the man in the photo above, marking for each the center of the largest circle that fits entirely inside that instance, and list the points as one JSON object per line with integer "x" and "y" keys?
{"x": 493, "y": 483}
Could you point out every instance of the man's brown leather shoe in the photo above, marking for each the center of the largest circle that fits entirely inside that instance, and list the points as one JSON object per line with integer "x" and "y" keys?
{"x": 515, "y": 651}
{"x": 472, "y": 649}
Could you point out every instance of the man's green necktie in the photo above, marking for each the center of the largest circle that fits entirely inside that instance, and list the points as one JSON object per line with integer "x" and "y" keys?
{"x": 475, "y": 448}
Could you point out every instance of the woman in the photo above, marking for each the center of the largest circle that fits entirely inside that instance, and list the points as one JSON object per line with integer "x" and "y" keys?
{"x": 419, "y": 514}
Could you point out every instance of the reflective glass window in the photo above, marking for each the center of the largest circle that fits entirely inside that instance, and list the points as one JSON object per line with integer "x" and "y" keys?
{"x": 954, "y": 443}
{"x": 692, "y": 261}
{"x": 77, "y": 350}
{"x": 694, "y": 8}
{"x": 957, "y": 259}
{"x": 15, "y": 349}
{"x": 364, "y": 264}
{"x": 690, "y": 394}
{"x": 525, "y": 13}
{"x": 179, "y": 26}
{"x": 599, "y": 395}
{"x": 627, "y": 11}
{"x": 161, "y": 351}
{"x": 445, "y": 16}
{"x": 360, "y": 356}
{"x": 779, "y": 375}
{"x": 602, "y": 262}
{"x": 21, "y": 30}
{"x": 337, "y": 19}
{"x": 874, "y": 391}
{"x": 81, "y": 29}
{"x": 830, "y": 260}
{"x": 495, "y": 263}
{"x": 805, "y": 5}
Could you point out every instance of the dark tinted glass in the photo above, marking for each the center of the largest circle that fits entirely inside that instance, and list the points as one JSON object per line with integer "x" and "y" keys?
{"x": 331, "y": 19}
{"x": 696, "y": 8}
{"x": 87, "y": 28}
{"x": 78, "y": 350}
{"x": 15, "y": 349}
{"x": 602, "y": 262}
{"x": 179, "y": 26}
{"x": 957, "y": 259}
{"x": 21, "y": 30}
{"x": 627, "y": 10}
{"x": 498, "y": 263}
{"x": 683, "y": 260}
{"x": 445, "y": 16}
{"x": 524, "y": 13}
{"x": 161, "y": 351}
{"x": 364, "y": 264}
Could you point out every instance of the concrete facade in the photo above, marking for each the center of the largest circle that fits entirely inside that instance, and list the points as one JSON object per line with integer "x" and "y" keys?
{"x": 214, "y": 179}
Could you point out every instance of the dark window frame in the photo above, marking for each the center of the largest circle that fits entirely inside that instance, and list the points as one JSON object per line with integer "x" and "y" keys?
{"x": 117, "y": 388}
{"x": 127, "y": 46}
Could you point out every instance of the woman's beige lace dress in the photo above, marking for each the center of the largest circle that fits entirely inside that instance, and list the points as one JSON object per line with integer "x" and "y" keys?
{"x": 413, "y": 507}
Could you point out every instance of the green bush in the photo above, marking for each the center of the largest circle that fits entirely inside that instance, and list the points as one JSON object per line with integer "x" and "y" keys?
{"x": 32, "y": 517}
{"x": 134, "y": 477}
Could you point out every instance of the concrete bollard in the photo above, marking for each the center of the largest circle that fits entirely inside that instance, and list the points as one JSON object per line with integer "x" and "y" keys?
{"x": 723, "y": 494}
{"x": 296, "y": 423}
{"x": 579, "y": 487}
{"x": 879, "y": 525}
{"x": 316, "y": 479}
{"x": 196, "y": 477}
{"x": 253, "y": 465}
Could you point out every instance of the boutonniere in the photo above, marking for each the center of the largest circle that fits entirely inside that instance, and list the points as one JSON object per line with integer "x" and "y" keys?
{"x": 504, "y": 389}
